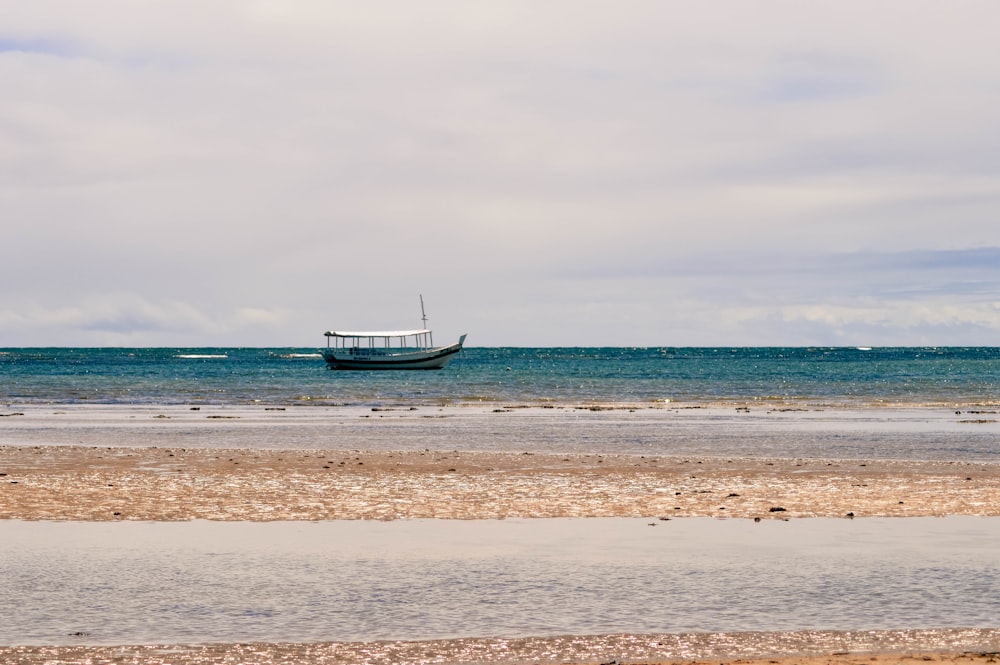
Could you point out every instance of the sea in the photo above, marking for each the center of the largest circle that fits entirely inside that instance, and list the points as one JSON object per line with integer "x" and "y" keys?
{"x": 960, "y": 377}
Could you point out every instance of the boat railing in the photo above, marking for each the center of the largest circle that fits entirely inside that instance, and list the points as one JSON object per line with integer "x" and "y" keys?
{"x": 416, "y": 341}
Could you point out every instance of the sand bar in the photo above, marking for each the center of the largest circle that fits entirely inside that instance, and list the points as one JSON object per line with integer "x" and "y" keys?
{"x": 94, "y": 483}
{"x": 154, "y": 462}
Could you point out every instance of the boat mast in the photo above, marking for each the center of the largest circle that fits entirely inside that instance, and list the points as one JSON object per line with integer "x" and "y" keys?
{"x": 423, "y": 317}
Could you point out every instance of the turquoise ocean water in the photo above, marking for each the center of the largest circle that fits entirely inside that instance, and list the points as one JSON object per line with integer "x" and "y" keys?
{"x": 963, "y": 377}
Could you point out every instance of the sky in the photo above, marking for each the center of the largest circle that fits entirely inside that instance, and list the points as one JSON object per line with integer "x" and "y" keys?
{"x": 557, "y": 173}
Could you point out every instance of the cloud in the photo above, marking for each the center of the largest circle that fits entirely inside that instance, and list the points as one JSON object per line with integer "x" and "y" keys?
{"x": 820, "y": 77}
{"x": 16, "y": 45}
{"x": 544, "y": 174}
{"x": 981, "y": 263}
{"x": 126, "y": 319}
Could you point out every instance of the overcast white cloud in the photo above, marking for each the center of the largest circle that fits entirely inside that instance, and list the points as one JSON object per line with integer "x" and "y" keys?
{"x": 592, "y": 173}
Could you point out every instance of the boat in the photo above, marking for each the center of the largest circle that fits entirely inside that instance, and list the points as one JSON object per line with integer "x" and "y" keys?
{"x": 388, "y": 349}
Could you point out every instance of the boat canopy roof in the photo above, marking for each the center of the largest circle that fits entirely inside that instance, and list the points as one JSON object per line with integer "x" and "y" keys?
{"x": 376, "y": 333}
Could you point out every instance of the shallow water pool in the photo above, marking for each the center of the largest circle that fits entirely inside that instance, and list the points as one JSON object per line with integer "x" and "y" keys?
{"x": 139, "y": 582}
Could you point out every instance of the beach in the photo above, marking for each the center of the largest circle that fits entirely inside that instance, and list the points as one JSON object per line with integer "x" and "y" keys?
{"x": 54, "y": 468}
{"x": 249, "y": 464}
{"x": 164, "y": 484}
{"x": 495, "y": 652}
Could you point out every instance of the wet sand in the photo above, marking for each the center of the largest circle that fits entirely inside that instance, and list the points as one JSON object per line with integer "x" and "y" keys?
{"x": 92, "y": 483}
{"x": 627, "y": 650}
{"x": 136, "y": 482}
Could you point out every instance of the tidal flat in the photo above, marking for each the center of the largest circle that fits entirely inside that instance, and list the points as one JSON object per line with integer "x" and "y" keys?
{"x": 656, "y": 465}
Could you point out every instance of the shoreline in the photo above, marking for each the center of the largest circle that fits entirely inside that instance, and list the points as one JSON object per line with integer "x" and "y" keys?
{"x": 966, "y": 647}
{"x": 488, "y": 405}
{"x": 915, "y": 434}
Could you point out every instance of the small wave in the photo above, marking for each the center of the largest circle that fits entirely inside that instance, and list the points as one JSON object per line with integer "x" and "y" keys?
{"x": 198, "y": 356}
{"x": 863, "y": 348}
{"x": 291, "y": 356}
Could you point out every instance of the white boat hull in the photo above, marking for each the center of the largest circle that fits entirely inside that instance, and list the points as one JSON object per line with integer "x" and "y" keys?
{"x": 364, "y": 359}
